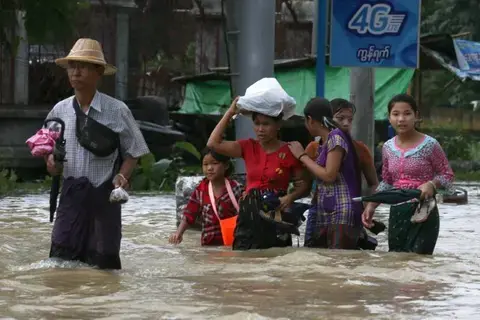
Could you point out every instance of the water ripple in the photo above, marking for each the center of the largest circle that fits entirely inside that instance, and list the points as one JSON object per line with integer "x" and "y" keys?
{"x": 161, "y": 281}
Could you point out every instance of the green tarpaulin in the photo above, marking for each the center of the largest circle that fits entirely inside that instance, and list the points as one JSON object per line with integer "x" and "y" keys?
{"x": 212, "y": 97}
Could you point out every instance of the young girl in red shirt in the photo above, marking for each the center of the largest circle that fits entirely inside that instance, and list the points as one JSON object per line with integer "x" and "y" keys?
{"x": 226, "y": 193}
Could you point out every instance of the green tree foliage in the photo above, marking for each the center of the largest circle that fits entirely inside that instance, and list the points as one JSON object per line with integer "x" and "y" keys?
{"x": 452, "y": 17}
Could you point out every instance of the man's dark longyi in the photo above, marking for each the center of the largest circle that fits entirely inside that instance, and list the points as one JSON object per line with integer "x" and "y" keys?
{"x": 87, "y": 231}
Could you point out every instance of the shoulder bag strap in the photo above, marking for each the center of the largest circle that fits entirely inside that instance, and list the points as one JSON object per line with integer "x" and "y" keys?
{"x": 76, "y": 107}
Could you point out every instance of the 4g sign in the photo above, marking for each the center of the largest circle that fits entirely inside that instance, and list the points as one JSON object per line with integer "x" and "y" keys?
{"x": 375, "y": 33}
{"x": 376, "y": 19}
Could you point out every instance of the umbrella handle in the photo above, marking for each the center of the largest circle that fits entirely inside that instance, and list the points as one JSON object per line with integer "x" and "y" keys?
{"x": 61, "y": 160}
{"x": 62, "y": 126}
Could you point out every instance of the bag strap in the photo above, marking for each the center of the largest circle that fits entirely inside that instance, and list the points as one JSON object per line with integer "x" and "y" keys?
{"x": 76, "y": 106}
{"x": 212, "y": 200}
{"x": 230, "y": 194}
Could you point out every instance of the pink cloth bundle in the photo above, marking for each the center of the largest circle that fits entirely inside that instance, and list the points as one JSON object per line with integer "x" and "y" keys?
{"x": 43, "y": 142}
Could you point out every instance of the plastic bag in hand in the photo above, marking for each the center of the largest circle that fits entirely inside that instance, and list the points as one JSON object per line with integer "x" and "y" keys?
{"x": 43, "y": 142}
{"x": 119, "y": 195}
{"x": 266, "y": 96}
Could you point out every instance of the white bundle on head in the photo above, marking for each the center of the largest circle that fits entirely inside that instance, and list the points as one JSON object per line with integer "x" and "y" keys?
{"x": 267, "y": 97}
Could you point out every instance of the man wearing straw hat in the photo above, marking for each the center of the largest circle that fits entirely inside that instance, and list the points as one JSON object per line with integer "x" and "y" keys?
{"x": 103, "y": 144}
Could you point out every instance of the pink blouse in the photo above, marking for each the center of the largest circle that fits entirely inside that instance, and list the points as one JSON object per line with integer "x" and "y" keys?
{"x": 410, "y": 168}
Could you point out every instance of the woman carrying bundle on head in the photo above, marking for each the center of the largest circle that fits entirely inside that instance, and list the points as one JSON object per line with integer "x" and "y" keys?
{"x": 337, "y": 219}
{"x": 270, "y": 167}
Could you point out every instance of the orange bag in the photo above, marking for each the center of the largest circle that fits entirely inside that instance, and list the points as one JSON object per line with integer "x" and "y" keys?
{"x": 227, "y": 226}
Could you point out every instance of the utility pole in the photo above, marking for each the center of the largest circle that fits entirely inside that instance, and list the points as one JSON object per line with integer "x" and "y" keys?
{"x": 320, "y": 22}
{"x": 362, "y": 94}
{"x": 313, "y": 50}
{"x": 255, "y": 53}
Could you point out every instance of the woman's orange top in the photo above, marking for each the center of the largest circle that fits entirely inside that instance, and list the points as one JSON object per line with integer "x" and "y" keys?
{"x": 364, "y": 156}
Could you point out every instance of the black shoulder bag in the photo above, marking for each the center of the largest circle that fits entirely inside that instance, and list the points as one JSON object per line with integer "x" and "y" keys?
{"x": 94, "y": 136}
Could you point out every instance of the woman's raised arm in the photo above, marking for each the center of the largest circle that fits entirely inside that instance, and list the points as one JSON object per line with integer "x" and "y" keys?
{"x": 215, "y": 141}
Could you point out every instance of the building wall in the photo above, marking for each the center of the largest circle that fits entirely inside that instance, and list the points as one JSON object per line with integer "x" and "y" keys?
{"x": 292, "y": 39}
{"x": 453, "y": 118}
{"x": 6, "y": 75}
{"x": 100, "y": 24}
{"x": 174, "y": 33}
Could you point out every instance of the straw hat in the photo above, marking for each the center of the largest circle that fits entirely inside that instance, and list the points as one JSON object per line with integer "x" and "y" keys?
{"x": 87, "y": 50}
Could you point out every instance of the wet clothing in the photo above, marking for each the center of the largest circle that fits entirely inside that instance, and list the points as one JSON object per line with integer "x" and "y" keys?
{"x": 334, "y": 219}
{"x": 405, "y": 236}
{"x": 409, "y": 169}
{"x": 335, "y": 236}
{"x": 268, "y": 171}
{"x": 199, "y": 206}
{"x": 311, "y": 226}
{"x": 87, "y": 227}
{"x": 257, "y": 230}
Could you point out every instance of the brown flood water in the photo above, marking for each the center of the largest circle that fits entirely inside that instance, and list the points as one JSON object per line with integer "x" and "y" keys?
{"x": 161, "y": 281}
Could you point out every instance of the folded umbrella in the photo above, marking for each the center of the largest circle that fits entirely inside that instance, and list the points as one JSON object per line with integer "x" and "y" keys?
{"x": 59, "y": 155}
{"x": 393, "y": 196}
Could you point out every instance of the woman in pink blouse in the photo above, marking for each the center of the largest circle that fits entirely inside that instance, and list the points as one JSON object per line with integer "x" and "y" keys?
{"x": 411, "y": 160}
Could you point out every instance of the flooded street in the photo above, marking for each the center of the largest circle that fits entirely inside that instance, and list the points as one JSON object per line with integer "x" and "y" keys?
{"x": 161, "y": 281}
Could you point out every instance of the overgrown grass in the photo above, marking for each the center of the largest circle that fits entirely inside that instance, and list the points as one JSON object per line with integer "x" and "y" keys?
{"x": 161, "y": 175}
{"x": 25, "y": 188}
{"x": 474, "y": 151}
{"x": 472, "y": 176}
